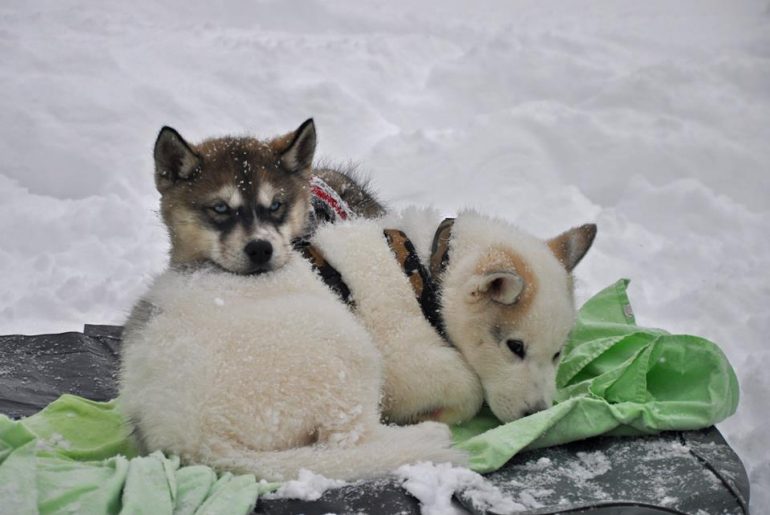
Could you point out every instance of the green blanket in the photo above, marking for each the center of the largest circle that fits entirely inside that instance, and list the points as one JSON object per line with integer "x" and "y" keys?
{"x": 75, "y": 456}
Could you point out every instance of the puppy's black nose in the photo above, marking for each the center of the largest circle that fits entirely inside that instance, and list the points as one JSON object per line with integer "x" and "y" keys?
{"x": 259, "y": 251}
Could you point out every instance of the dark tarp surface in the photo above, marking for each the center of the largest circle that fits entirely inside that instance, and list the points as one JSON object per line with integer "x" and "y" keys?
{"x": 676, "y": 472}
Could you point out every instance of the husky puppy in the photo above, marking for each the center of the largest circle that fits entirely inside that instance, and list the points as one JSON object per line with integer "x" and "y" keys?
{"x": 254, "y": 373}
{"x": 240, "y": 202}
{"x": 264, "y": 374}
{"x": 506, "y": 300}
{"x": 235, "y": 202}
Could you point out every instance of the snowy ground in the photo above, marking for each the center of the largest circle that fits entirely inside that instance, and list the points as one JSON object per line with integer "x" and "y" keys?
{"x": 649, "y": 118}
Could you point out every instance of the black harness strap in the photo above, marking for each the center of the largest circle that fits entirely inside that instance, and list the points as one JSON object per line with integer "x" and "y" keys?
{"x": 424, "y": 283}
{"x": 424, "y": 288}
{"x": 328, "y": 273}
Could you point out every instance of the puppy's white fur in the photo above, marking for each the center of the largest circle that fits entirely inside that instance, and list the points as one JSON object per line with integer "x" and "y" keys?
{"x": 263, "y": 374}
{"x": 513, "y": 386}
{"x": 422, "y": 373}
{"x": 424, "y": 377}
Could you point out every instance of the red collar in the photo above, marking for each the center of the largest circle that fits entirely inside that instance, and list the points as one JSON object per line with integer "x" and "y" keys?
{"x": 330, "y": 197}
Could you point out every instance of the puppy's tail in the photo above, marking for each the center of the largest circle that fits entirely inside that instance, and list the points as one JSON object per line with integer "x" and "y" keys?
{"x": 386, "y": 449}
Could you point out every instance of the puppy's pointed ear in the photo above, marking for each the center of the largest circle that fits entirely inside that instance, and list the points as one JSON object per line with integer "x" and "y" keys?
{"x": 570, "y": 247}
{"x": 500, "y": 287}
{"x": 439, "y": 252}
{"x": 174, "y": 159}
{"x": 298, "y": 156}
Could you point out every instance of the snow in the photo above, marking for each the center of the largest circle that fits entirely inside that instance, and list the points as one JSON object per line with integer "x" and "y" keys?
{"x": 308, "y": 486}
{"x": 649, "y": 118}
{"x": 568, "y": 475}
{"x": 434, "y": 485}
{"x": 57, "y": 440}
{"x": 591, "y": 464}
{"x": 54, "y": 441}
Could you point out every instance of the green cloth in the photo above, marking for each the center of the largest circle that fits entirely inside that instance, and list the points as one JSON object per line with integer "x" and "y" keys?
{"x": 615, "y": 378}
{"x": 76, "y": 456}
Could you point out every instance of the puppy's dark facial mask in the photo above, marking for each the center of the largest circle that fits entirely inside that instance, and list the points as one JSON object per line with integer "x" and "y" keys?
{"x": 234, "y": 202}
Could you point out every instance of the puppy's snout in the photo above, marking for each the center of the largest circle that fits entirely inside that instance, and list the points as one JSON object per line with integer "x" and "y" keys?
{"x": 259, "y": 251}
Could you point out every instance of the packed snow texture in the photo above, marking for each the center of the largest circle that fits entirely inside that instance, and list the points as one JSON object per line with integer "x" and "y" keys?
{"x": 434, "y": 485}
{"x": 308, "y": 486}
{"x": 648, "y": 118}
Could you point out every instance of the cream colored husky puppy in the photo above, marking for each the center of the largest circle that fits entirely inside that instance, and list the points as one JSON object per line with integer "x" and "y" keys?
{"x": 506, "y": 299}
{"x": 263, "y": 374}
{"x": 239, "y": 357}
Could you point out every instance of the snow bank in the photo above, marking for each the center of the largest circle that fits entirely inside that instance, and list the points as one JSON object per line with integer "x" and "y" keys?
{"x": 649, "y": 118}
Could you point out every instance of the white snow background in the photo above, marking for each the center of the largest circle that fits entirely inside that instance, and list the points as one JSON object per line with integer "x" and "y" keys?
{"x": 651, "y": 119}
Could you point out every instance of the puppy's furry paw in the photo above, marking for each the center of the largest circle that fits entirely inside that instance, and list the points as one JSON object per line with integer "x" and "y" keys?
{"x": 438, "y": 436}
{"x": 435, "y": 430}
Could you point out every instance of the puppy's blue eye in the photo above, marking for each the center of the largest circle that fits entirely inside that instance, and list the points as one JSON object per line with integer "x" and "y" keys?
{"x": 221, "y": 208}
{"x": 275, "y": 206}
{"x": 517, "y": 347}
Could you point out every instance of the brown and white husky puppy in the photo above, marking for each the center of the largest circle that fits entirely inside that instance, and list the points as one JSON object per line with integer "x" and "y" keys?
{"x": 235, "y": 202}
{"x": 240, "y": 202}
{"x": 261, "y": 373}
